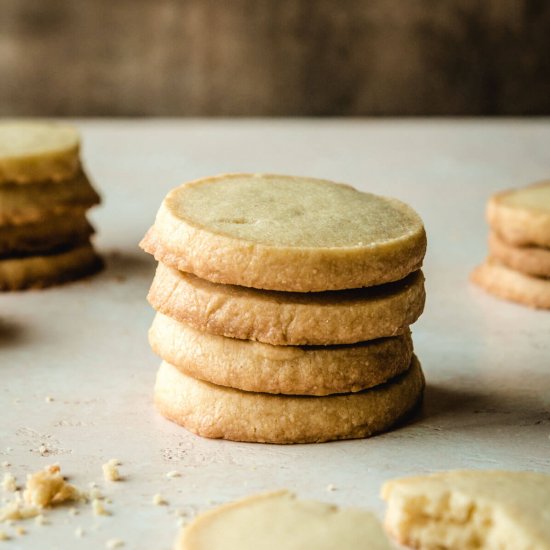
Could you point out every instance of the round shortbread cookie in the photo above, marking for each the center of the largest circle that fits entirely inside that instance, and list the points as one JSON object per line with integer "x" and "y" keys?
{"x": 286, "y": 233}
{"x": 470, "y": 510}
{"x": 275, "y": 521}
{"x": 522, "y": 216}
{"x": 225, "y": 413}
{"x": 41, "y": 237}
{"x": 32, "y": 151}
{"x": 44, "y": 271}
{"x": 34, "y": 202}
{"x": 532, "y": 260}
{"x": 286, "y": 318}
{"x": 513, "y": 285}
{"x": 257, "y": 367}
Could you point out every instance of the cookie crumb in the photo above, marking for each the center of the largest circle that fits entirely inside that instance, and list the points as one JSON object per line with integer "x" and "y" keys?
{"x": 159, "y": 500}
{"x": 114, "y": 543}
{"x": 47, "y": 487}
{"x": 6, "y": 464}
{"x": 173, "y": 474}
{"x": 9, "y": 483}
{"x": 49, "y": 399}
{"x": 331, "y": 487}
{"x": 73, "y": 512}
{"x": 79, "y": 532}
{"x": 21, "y": 531}
{"x": 4, "y": 535}
{"x": 99, "y": 509}
{"x": 110, "y": 470}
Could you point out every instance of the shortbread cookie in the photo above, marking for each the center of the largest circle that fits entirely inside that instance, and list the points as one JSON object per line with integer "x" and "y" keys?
{"x": 44, "y": 271}
{"x": 532, "y": 260}
{"x": 219, "y": 412}
{"x": 257, "y": 367}
{"x": 286, "y": 233}
{"x": 52, "y": 233}
{"x": 522, "y": 216}
{"x": 513, "y": 285}
{"x": 34, "y": 202}
{"x": 33, "y": 151}
{"x": 275, "y": 521}
{"x": 285, "y": 318}
{"x": 470, "y": 510}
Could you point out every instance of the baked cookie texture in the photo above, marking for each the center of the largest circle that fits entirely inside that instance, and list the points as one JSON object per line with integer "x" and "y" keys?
{"x": 283, "y": 318}
{"x": 512, "y": 285}
{"x": 54, "y": 232}
{"x": 292, "y": 370}
{"x": 34, "y": 151}
{"x": 36, "y": 202}
{"x": 44, "y": 196}
{"x": 48, "y": 270}
{"x": 521, "y": 217}
{"x": 279, "y": 520}
{"x": 531, "y": 260}
{"x": 518, "y": 266}
{"x": 225, "y": 413}
{"x": 283, "y": 309}
{"x": 467, "y": 510}
{"x": 286, "y": 233}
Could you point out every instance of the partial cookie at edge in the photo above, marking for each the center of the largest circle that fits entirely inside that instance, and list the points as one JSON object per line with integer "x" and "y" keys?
{"x": 45, "y": 271}
{"x": 470, "y": 509}
{"x": 282, "y": 522}
{"x": 34, "y": 202}
{"x": 512, "y": 285}
{"x": 522, "y": 216}
{"x": 530, "y": 260}
{"x": 33, "y": 151}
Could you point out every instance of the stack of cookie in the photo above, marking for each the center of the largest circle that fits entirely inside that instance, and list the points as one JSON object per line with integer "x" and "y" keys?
{"x": 284, "y": 307}
{"x": 518, "y": 267}
{"x": 44, "y": 195}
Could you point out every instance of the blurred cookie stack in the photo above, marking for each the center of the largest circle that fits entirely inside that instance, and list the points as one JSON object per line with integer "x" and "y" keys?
{"x": 44, "y": 196}
{"x": 518, "y": 267}
{"x": 283, "y": 309}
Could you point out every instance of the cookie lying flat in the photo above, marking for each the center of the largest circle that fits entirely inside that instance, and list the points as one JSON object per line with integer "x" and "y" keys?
{"x": 470, "y": 510}
{"x": 285, "y": 318}
{"x": 275, "y": 521}
{"x": 44, "y": 271}
{"x": 225, "y": 413}
{"x": 253, "y": 366}
{"x": 522, "y": 216}
{"x": 34, "y": 202}
{"x": 532, "y": 260}
{"x": 512, "y": 285}
{"x": 37, "y": 151}
{"x": 286, "y": 233}
{"x": 52, "y": 233}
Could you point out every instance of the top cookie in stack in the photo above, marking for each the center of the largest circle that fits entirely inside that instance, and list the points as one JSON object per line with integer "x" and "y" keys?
{"x": 283, "y": 308}
{"x": 44, "y": 195}
{"x": 518, "y": 267}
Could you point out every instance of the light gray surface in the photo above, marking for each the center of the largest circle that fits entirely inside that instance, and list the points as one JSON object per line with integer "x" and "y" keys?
{"x": 487, "y": 362}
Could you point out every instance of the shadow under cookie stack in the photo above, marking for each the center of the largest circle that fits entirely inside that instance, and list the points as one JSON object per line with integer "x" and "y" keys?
{"x": 44, "y": 196}
{"x": 518, "y": 266}
{"x": 283, "y": 309}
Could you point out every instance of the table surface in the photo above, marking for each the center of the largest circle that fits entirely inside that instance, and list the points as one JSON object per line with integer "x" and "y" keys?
{"x": 487, "y": 362}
